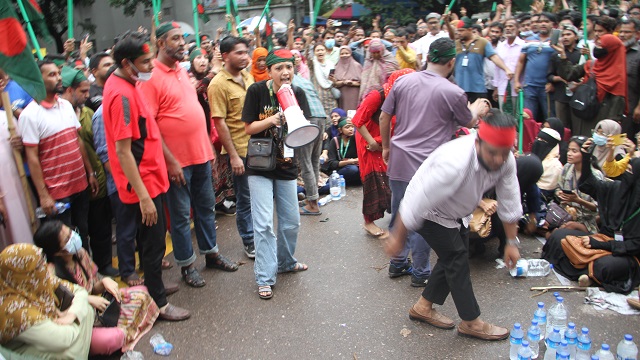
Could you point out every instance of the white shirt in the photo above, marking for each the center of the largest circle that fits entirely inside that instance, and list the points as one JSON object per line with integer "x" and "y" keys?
{"x": 422, "y": 45}
{"x": 509, "y": 53}
{"x": 449, "y": 185}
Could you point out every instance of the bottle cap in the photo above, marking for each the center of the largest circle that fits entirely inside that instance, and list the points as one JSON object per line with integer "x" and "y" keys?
{"x": 556, "y": 294}
{"x": 525, "y": 343}
{"x": 555, "y": 329}
{"x": 516, "y": 326}
{"x": 564, "y": 342}
{"x": 540, "y": 304}
{"x": 605, "y": 347}
{"x": 534, "y": 322}
{"x": 572, "y": 325}
{"x": 585, "y": 330}
{"x": 560, "y": 299}
{"x": 628, "y": 337}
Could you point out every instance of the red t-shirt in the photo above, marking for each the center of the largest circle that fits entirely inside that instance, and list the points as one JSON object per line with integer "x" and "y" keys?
{"x": 126, "y": 116}
{"x": 174, "y": 104}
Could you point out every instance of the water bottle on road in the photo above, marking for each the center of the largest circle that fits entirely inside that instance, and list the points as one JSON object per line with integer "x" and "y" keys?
{"x": 59, "y": 208}
{"x": 343, "y": 186}
{"x": 550, "y": 314}
{"x": 563, "y": 349}
{"x": 525, "y": 352}
{"x": 560, "y": 317}
{"x": 538, "y": 267}
{"x": 160, "y": 345}
{"x": 584, "y": 345}
{"x": 553, "y": 342}
{"x": 541, "y": 316}
{"x": 627, "y": 349}
{"x": 604, "y": 353}
{"x": 571, "y": 335}
{"x": 334, "y": 186}
{"x": 533, "y": 336}
{"x": 515, "y": 340}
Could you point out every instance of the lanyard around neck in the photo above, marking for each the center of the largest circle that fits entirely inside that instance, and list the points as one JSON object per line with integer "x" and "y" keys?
{"x": 344, "y": 148}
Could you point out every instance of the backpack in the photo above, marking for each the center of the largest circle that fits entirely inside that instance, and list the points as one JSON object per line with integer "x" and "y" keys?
{"x": 584, "y": 102}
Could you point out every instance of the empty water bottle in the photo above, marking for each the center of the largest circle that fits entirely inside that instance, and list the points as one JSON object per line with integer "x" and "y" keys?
{"x": 571, "y": 335}
{"x": 584, "y": 345}
{"x": 553, "y": 342}
{"x": 533, "y": 337}
{"x": 160, "y": 346}
{"x": 325, "y": 200}
{"x": 563, "y": 349}
{"x": 538, "y": 267}
{"x": 132, "y": 355}
{"x": 525, "y": 352}
{"x": 627, "y": 349}
{"x": 605, "y": 353}
{"x": 515, "y": 340}
{"x": 541, "y": 316}
{"x": 521, "y": 268}
{"x": 58, "y": 207}
{"x": 334, "y": 186}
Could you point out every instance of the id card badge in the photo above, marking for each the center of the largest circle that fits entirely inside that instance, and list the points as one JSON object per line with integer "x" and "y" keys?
{"x": 288, "y": 152}
{"x": 465, "y": 61}
{"x": 618, "y": 236}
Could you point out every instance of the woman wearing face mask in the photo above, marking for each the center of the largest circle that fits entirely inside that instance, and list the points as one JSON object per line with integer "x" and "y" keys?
{"x": 320, "y": 67}
{"x": 347, "y": 79}
{"x": 377, "y": 68}
{"x": 600, "y": 135}
{"x": 619, "y": 211}
{"x": 69, "y": 261}
{"x": 610, "y": 70}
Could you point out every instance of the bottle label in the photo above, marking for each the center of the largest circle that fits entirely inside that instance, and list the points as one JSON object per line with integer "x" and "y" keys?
{"x": 533, "y": 337}
{"x": 516, "y": 341}
{"x": 520, "y": 357}
{"x": 584, "y": 346}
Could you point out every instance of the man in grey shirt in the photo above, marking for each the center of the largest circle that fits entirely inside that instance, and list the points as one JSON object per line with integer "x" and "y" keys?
{"x": 428, "y": 109}
{"x": 438, "y": 204}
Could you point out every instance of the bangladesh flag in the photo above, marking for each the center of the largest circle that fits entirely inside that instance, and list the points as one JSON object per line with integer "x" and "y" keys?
{"x": 37, "y": 19}
{"x": 16, "y": 58}
{"x": 268, "y": 30}
{"x": 203, "y": 15}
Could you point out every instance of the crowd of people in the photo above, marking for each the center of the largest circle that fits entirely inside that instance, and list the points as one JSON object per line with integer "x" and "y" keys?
{"x": 153, "y": 135}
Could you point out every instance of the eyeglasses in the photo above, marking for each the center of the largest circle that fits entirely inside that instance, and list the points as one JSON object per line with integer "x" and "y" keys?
{"x": 578, "y": 138}
{"x": 635, "y": 13}
{"x": 599, "y": 132}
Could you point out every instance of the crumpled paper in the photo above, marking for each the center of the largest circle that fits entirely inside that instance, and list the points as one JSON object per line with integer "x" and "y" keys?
{"x": 602, "y": 300}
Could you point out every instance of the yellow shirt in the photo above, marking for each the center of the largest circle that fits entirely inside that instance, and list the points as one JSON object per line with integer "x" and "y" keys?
{"x": 226, "y": 100}
{"x": 615, "y": 168}
{"x": 407, "y": 58}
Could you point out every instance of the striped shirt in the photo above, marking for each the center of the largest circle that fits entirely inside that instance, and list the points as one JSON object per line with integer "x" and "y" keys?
{"x": 315, "y": 105}
{"x": 54, "y": 129}
{"x": 449, "y": 185}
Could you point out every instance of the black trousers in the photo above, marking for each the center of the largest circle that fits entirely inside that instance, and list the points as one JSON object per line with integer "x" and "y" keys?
{"x": 100, "y": 231}
{"x": 451, "y": 273}
{"x": 153, "y": 243}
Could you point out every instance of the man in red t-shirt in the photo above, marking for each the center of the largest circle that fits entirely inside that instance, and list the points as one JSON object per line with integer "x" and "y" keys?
{"x": 137, "y": 163}
{"x": 173, "y": 102}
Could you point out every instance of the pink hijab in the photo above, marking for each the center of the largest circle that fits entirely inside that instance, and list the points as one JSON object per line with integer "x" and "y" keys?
{"x": 303, "y": 69}
{"x": 376, "y": 72}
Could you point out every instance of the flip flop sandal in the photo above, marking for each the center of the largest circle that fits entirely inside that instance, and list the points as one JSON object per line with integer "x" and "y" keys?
{"x": 296, "y": 268}
{"x": 376, "y": 234}
{"x": 304, "y": 211}
{"x": 193, "y": 278}
{"x": 265, "y": 289}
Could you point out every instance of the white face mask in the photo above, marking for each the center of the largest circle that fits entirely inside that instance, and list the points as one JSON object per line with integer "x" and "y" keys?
{"x": 140, "y": 76}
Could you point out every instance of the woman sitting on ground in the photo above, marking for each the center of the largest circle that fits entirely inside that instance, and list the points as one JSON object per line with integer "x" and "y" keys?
{"x": 557, "y": 125}
{"x": 546, "y": 148}
{"x": 618, "y": 207}
{"x": 343, "y": 156}
{"x": 613, "y": 168}
{"x": 30, "y": 298}
{"x": 71, "y": 262}
{"x": 601, "y": 133}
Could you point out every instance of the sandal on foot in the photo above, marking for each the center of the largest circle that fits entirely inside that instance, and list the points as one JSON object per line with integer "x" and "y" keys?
{"x": 374, "y": 233}
{"x": 266, "y": 290}
{"x": 220, "y": 262}
{"x": 192, "y": 277}
{"x": 296, "y": 268}
{"x": 304, "y": 211}
{"x": 133, "y": 280}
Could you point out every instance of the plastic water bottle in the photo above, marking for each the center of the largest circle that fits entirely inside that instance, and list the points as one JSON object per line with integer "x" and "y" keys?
{"x": 550, "y": 314}
{"x": 604, "y": 353}
{"x": 160, "y": 345}
{"x": 627, "y": 349}
{"x": 584, "y": 345}
{"x": 321, "y": 160}
{"x": 59, "y": 208}
{"x": 571, "y": 335}
{"x": 325, "y": 200}
{"x": 343, "y": 186}
{"x": 595, "y": 357}
{"x": 334, "y": 186}
{"x": 541, "y": 316}
{"x": 553, "y": 342}
{"x": 533, "y": 337}
{"x": 563, "y": 349}
{"x": 561, "y": 317}
{"x": 515, "y": 339}
{"x": 538, "y": 267}
{"x": 132, "y": 355}
{"x": 525, "y": 352}
{"x": 521, "y": 268}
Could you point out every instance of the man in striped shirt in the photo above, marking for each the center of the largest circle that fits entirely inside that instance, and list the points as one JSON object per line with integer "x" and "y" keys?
{"x": 438, "y": 205}
{"x": 57, "y": 158}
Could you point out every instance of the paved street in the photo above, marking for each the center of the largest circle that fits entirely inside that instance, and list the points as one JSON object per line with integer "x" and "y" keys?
{"x": 346, "y": 307}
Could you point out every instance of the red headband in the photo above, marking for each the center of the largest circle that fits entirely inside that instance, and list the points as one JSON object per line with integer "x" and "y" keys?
{"x": 497, "y": 136}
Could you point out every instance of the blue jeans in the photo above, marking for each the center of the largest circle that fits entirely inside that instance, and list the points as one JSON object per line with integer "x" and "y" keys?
{"x": 274, "y": 253}
{"x": 244, "y": 221}
{"x": 198, "y": 195}
{"x": 535, "y": 99}
{"x": 420, "y": 250}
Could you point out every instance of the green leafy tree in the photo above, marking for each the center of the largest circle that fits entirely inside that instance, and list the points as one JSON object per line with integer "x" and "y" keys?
{"x": 55, "y": 14}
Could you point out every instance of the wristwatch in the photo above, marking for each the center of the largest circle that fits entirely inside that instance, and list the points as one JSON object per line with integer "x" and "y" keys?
{"x": 514, "y": 242}
{"x": 92, "y": 174}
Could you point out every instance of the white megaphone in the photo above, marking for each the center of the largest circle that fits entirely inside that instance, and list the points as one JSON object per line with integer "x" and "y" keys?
{"x": 301, "y": 131}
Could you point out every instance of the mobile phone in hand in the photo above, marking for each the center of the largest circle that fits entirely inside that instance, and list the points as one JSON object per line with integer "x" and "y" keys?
{"x": 568, "y": 192}
{"x": 332, "y": 72}
{"x": 555, "y": 36}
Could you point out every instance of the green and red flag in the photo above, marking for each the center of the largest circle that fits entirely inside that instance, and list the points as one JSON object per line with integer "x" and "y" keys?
{"x": 16, "y": 58}
{"x": 201, "y": 13}
{"x": 268, "y": 30}
{"x": 34, "y": 12}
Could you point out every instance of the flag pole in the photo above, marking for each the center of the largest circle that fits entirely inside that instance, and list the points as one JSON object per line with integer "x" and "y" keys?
{"x": 235, "y": 8}
{"x": 264, "y": 12}
{"x": 312, "y": 18}
{"x": 194, "y": 5}
{"x": 449, "y": 7}
{"x": 316, "y": 11}
{"x": 6, "y": 103}
{"x": 520, "y": 119}
{"x": 584, "y": 26}
{"x": 32, "y": 35}
{"x": 70, "y": 19}
{"x": 228, "y": 2}
{"x": 156, "y": 10}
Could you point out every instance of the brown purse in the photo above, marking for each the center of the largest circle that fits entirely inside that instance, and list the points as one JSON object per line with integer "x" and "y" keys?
{"x": 580, "y": 256}
{"x": 481, "y": 222}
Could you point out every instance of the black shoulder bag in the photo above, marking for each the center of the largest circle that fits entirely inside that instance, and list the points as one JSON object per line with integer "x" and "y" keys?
{"x": 584, "y": 102}
{"x": 261, "y": 152}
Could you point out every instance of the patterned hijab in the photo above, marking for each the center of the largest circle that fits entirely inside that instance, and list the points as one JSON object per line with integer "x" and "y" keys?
{"x": 27, "y": 290}
{"x": 376, "y": 72}
{"x": 392, "y": 79}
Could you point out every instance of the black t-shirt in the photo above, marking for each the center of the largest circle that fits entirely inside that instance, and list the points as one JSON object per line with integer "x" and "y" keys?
{"x": 259, "y": 105}
{"x": 95, "y": 97}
